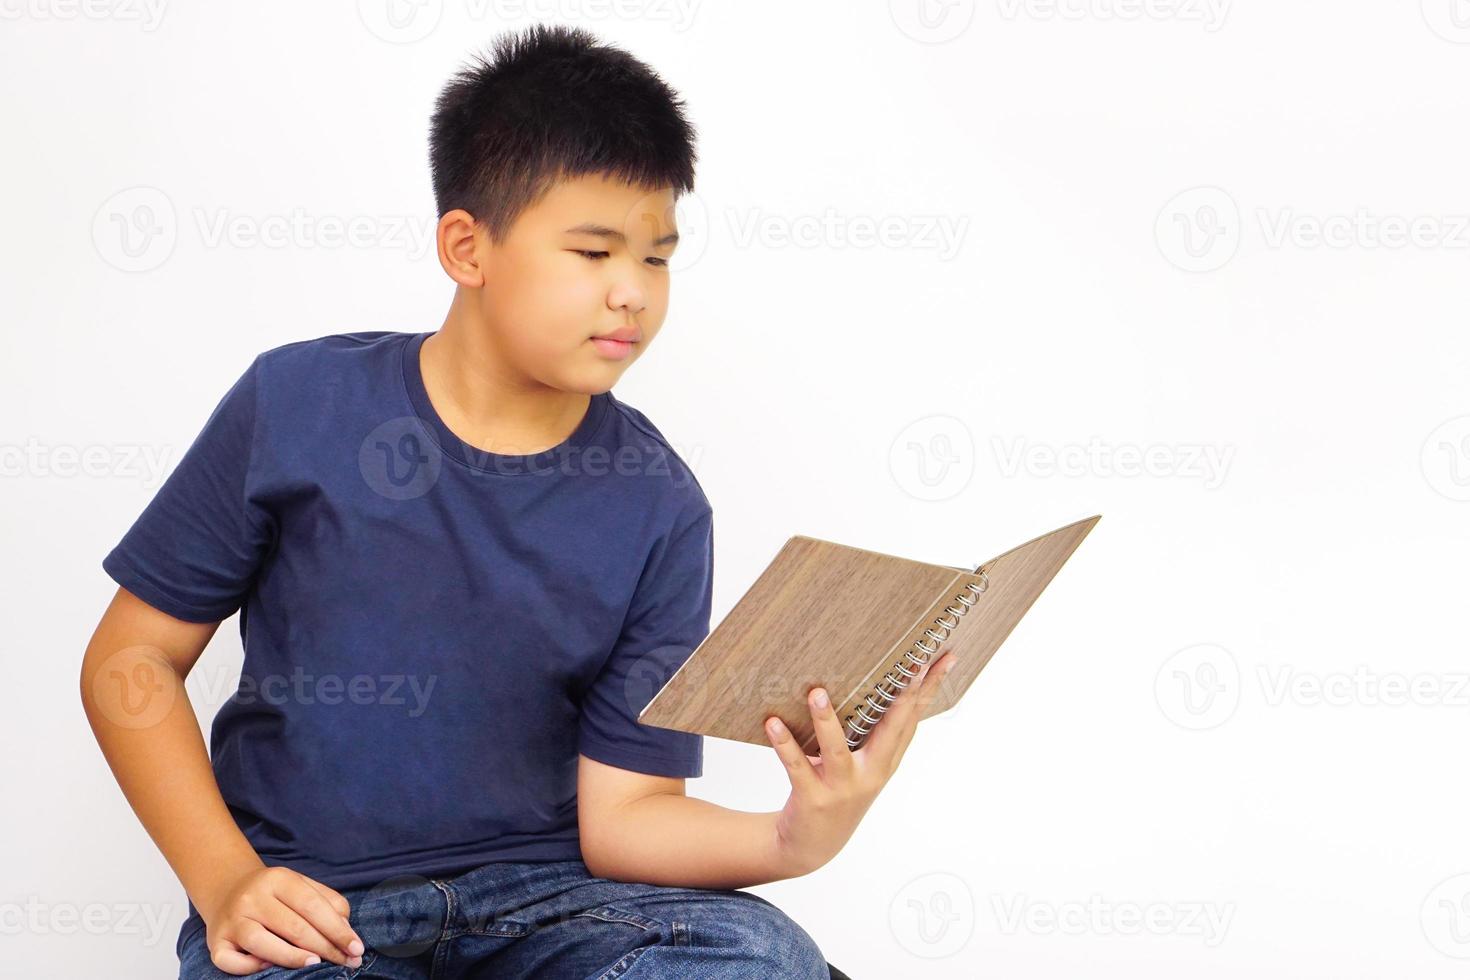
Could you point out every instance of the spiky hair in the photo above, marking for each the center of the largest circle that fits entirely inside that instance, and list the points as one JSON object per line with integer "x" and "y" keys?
{"x": 547, "y": 104}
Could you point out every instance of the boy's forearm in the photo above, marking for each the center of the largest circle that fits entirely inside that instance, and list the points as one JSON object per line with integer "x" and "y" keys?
{"x": 668, "y": 839}
{"x": 163, "y": 768}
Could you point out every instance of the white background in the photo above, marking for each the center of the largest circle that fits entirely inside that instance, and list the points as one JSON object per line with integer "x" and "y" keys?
{"x": 1181, "y": 230}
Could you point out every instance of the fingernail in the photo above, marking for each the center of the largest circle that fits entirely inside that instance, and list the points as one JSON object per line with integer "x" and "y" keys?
{"x": 776, "y": 728}
{"x": 313, "y": 960}
{"x": 950, "y": 666}
{"x": 354, "y": 961}
{"x": 355, "y": 947}
{"x": 820, "y": 698}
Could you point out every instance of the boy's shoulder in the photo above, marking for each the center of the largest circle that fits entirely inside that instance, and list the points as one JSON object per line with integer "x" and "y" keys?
{"x": 655, "y": 451}
{"x": 328, "y": 346}
{"x": 303, "y": 376}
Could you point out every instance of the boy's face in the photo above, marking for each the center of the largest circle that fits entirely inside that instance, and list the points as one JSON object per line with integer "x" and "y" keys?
{"x": 588, "y": 259}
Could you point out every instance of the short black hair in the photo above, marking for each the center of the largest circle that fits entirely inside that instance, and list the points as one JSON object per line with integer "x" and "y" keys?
{"x": 547, "y": 104}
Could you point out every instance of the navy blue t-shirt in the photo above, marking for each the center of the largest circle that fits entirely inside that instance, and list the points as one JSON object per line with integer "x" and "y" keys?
{"x": 432, "y": 633}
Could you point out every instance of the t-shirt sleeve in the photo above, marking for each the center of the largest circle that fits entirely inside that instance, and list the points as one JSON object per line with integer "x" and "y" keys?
{"x": 667, "y": 619}
{"x": 194, "y": 550}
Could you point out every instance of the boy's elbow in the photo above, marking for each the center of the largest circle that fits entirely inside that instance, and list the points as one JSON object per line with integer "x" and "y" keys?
{"x": 609, "y": 840}
{"x": 608, "y": 824}
{"x": 596, "y": 852}
{"x": 599, "y": 831}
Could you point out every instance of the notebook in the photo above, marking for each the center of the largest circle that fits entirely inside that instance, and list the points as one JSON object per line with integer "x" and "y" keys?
{"x": 859, "y": 623}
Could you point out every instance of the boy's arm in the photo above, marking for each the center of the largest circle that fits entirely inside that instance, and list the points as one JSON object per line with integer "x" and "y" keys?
{"x": 637, "y": 827}
{"x": 132, "y": 689}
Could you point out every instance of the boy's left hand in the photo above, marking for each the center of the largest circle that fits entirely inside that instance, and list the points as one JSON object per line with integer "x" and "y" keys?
{"x": 831, "y": 792}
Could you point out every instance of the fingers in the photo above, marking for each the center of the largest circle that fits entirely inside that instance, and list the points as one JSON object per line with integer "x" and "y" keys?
{"x": 284, "y": 918}
{"x": 290, "y": 925}
{"x": 934, "y": 681}
{"x": 335, "y": 898}
{"x": 836, "y": 756}
{"x": 799, "y": 769}
{"x": 257, "y": 939}
{"x": 891, "y": 737}
{"x": 231, "y": 959}
{"x": 284, "y": 921}
{"x": 326, "y": 910}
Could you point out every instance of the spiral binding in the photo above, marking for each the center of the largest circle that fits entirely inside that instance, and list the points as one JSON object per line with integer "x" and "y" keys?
{"x": 856, "y": 731}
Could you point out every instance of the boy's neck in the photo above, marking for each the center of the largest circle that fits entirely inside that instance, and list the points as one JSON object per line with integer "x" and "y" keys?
{"x": 485, "y": 403}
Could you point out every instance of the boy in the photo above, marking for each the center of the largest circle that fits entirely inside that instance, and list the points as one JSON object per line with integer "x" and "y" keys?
{"x": 462, "y": 566}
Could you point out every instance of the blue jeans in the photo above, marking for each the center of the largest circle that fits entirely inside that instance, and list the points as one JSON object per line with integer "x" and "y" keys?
{"x": 550, "y": 920}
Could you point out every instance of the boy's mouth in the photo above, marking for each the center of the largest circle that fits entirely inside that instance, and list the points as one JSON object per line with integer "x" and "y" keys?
{"x": 618, "y": 343}
{"x": 613, "y": 348}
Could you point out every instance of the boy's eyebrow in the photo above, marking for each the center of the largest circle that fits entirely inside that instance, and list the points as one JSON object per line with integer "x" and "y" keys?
{"x": 602, "y": 231}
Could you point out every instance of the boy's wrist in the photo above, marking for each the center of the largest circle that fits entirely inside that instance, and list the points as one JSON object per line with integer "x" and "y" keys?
{"x": 787, "y": 860}
{"x": 215, "y": 881}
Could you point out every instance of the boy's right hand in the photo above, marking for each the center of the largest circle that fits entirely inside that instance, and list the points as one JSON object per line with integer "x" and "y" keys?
{"x": 273, "y": 916}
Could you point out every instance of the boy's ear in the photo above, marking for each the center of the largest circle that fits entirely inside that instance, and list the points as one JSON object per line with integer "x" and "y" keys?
{"x": 459, "y": 242}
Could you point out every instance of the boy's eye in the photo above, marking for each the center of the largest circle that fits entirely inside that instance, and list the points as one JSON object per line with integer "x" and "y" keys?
{"x": 588, "y": 254}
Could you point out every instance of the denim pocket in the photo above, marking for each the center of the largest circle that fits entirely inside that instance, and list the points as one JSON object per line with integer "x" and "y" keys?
{"x": 655, "y": 932}
{"x": 644, "y": 934}
{"x": 611, "y": 913}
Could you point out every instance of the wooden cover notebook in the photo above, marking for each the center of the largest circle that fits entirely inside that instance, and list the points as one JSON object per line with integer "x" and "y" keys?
{"x": 859, "y": 623}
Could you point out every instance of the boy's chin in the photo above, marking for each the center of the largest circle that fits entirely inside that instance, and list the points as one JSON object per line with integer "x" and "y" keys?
{"x": 587, "y": 379}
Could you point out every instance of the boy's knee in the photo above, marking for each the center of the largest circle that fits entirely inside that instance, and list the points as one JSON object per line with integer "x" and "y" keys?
{"x": 765, "y": 935}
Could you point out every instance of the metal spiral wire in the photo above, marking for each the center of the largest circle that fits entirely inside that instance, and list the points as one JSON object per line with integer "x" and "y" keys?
{"x": 856, "y": 730}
